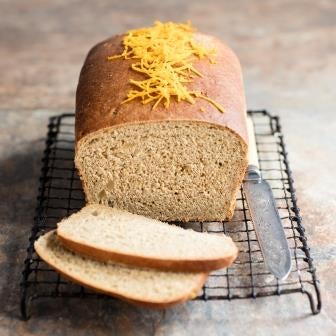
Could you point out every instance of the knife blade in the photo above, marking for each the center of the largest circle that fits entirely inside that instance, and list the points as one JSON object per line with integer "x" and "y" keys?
{"x": 264, "y": 215}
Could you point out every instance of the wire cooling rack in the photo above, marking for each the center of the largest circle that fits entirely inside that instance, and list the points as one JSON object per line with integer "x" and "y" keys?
{"x": 60, "y": 194}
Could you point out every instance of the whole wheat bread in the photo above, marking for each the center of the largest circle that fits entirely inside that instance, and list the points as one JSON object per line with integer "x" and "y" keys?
{"x": 141, "y": 286}
{"x": 111, "y": 234}
{"x": 185, "y": 162}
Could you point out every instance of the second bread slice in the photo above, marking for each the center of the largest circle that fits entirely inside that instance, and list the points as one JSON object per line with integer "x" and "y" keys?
{"x": 110, "y": 234}
{"x": 140, "y": 286}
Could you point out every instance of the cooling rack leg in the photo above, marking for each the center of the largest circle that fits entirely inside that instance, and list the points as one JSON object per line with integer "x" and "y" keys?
{"x": 314, "y": 306}
{"x": 25, "y": 305}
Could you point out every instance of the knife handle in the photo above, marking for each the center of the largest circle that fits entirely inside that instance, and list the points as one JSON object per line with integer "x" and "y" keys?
{"x": 252, "y": 147}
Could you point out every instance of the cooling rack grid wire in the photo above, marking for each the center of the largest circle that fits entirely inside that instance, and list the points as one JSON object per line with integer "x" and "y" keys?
{"x": 60, "y": 194}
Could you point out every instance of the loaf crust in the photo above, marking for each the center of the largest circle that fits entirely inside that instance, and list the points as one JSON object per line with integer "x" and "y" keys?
{"x": 103, "y": 85}
{"x": 182, "y": 265}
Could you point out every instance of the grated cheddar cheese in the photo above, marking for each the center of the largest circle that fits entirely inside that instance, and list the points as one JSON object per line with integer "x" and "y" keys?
{"x": 164, "y": 54}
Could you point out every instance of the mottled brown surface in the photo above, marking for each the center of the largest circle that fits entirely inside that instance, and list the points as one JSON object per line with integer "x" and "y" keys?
{"x": 288, "y": 54}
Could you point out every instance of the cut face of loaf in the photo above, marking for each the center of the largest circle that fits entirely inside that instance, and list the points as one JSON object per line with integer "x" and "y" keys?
{"x": 168, "y": 170}
{"x": 137, "y": 285}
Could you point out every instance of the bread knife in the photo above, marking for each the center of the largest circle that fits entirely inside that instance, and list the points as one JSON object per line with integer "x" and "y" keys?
{"x": 264, "y": 214}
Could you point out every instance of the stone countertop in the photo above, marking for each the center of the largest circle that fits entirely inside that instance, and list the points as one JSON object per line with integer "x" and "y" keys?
{"x": 288, "y": 53}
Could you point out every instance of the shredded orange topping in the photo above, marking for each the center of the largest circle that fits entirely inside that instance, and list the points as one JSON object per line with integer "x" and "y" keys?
{"x": 164, "y": 54}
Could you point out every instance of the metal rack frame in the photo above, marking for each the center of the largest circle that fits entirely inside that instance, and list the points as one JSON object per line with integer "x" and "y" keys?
{"x": 60, "y": 194}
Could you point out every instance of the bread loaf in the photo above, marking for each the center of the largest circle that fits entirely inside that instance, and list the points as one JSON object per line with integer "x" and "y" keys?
{"x": 140, "y": 286}
{"x": 185, "y": 162}
{"x": 111, "y": 234}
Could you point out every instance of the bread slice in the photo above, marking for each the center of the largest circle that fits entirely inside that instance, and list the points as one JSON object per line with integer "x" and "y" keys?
{"x": 137, "y": 285}
{"x": 182, "y": 163}
{"x": 107, "y": 233}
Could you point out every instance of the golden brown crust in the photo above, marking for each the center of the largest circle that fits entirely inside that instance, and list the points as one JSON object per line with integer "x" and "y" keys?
{"x": 103, "y": 85}
{"x": 177, "y": 265}
{"x": 192, "y": 294}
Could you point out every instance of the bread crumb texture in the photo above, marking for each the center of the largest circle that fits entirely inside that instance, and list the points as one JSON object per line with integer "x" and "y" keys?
{"x": 168, "y": 170}
{"x": 116, "y": 230}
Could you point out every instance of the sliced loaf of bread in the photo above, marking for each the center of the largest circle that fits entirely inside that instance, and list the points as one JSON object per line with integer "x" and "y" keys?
{"x": 137, "y": 285}
{"x": 182, "y": 163}
{"x": 111, "y": 234}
